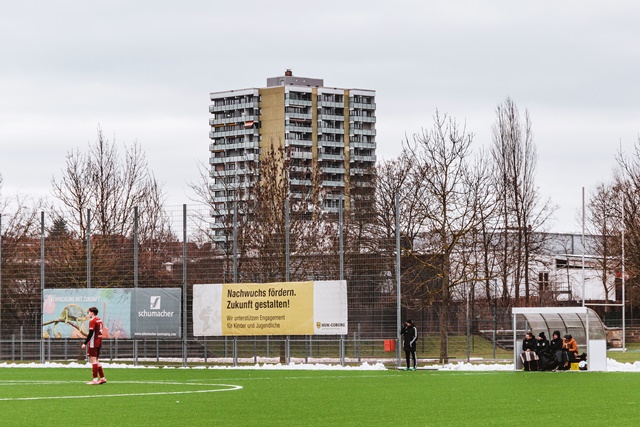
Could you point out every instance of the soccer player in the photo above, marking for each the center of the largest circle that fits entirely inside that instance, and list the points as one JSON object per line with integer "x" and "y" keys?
{"x": 93, "y": 344}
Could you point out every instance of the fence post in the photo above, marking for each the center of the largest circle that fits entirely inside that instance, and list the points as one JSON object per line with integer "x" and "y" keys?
{"x": 235, "y": 351}
{"x": 286, "y": 240}
{"x": 359, "y": 341}
{"x": 88, "y": 248}
{"x": 287, "y": 356}
{"x": 38, "y": 330}
{"x": 235, "y": 242}
{"x": 184, "y": 285}
{"x": 468, "y": 325}
{"x": 495, "y": 318}
{"x": 255, "y": 349}
{"x": 135, "y": 274}
{"x": 341, "y": 238}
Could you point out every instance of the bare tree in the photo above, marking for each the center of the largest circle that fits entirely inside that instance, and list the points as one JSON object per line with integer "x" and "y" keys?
{"x": 20, "y": 261}
{"x": 523, "y": 213}
{"x": 260, "y": 192}
{"x": 603, "y": 222}
{"x": 265, "y": 234}
{"x": 455, "y": 188}
{"x": 111, "y": 186}
{"x": 627, "y": 183}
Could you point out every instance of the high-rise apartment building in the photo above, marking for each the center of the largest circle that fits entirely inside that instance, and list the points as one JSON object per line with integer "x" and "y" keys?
{"x": 330, "y": 129}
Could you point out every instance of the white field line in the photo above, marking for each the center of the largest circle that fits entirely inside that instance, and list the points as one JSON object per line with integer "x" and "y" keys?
{"x": 228, "y": 387}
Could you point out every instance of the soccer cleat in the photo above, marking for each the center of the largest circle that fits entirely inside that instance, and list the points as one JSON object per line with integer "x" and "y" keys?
{"x": 102, "y": 381}
{"x": 413, "y": 369}
{"x": 93, "y": 382}
{"x": 406, "y": 369}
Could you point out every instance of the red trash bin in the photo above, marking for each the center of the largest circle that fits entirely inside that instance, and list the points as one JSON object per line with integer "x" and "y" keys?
{"x": 389, "y": 345}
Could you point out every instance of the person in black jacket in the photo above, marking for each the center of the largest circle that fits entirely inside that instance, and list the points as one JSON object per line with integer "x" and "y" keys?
{"x": 555, "y": 351}
{"x": 410, "y": 337}
{"x": 542, "y": 345}
{"x": 528, "y": 356}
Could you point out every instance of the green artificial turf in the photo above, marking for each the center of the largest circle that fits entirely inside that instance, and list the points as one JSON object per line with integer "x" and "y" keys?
{"x": 147, "y": 397}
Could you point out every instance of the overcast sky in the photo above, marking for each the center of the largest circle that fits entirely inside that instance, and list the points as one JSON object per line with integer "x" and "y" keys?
{"x": 143, "y": 71}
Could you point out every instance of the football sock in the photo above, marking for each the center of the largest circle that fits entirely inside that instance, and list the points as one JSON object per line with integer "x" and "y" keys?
{"x": 94, "y": 370}
{"x": 100, "y": 372}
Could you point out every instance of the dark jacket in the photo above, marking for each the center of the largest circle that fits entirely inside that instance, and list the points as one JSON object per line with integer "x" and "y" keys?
{"x": 555, "y": 344}
{"x": 542, "y": 345}
{"x": 529, "y": 344}
{"x": 410, "y": 337}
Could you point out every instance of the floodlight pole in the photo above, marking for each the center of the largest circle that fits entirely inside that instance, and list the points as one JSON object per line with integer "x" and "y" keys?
{"x": 184, "y": 285}
{"x": 624, "y": 329}
{"x": 398, "y": 290}
{"x": 583, "y": 251}
{"x": 0, "y": 286}
{"x": 41, "y": 285}
{"x": 135, "y": 274}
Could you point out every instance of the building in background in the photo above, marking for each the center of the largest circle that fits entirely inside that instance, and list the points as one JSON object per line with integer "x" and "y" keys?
{"x": 330, "y": 131}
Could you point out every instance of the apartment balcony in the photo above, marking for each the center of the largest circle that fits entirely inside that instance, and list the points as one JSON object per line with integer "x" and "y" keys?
{"x": 334, "y": 196}
{"x": 333, "y": 184}
{"x": 328, "y": 129}
{"x": 366, "y": 183}
{"x": 363, "y": 106}
{"x": 331, "y": 117}
{"x": 295, "y": 102}
{"x": 368, "y": 132}
{"x": 325, "y": 156}
{"x": 233, "y": 120}
{"x": 302, "y": 155}
{"x": 326, "y": 143}
{"x": 222, "y": 160}
{"x": 298, "y": 116}
{"x": 233, "y": 106}
{"x": 340, "y": 171}
{"x": 299, "y": 128}
{"x": 362, "y": 119}
{"x": 288, "y": 142}
{"x": 230, "y": 172}
{"x": 330, "y": 104}
{"x": 360, "y": 158}
{"x": 365, "y": 145}
{"x": 302, "y": 182}
{"x": 217, "y": 146}
{"x": 237, "y": 132}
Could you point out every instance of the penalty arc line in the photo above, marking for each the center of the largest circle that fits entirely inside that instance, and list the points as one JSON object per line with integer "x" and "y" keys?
{"x": 159, "y": 393}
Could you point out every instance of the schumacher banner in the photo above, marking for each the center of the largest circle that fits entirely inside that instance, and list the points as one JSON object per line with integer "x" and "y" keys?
{"x": 291, "y": 308}
{"x": 125, "y": 313}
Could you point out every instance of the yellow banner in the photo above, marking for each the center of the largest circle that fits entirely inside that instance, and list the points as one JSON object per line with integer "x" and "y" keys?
{"x": 268, "y": 309}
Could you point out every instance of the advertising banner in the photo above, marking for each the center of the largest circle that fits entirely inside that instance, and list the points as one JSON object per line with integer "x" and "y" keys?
{"x": 156, "y": 312}
{"x": 125, "y": 313}
{"x": 284, "y": 308}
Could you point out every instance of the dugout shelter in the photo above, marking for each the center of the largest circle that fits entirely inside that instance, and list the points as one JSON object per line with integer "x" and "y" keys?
{"x": 581, "y": 322}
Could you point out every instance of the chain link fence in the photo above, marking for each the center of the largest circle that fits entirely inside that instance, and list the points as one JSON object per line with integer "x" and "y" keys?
{"x": 198, "y": 249}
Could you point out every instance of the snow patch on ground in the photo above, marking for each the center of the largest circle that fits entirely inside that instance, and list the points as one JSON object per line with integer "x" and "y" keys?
{"x": 612, "y": 366}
